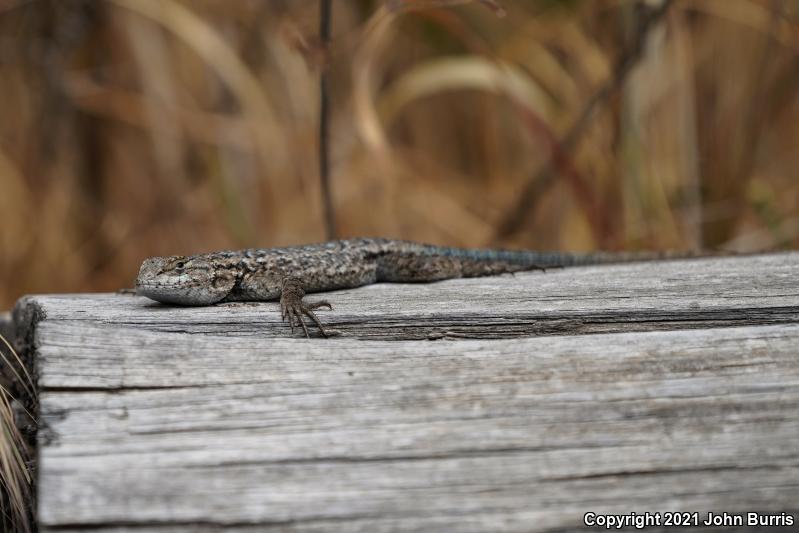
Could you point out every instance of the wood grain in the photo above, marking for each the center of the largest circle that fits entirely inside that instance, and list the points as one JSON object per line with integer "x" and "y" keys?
{"x": 174, "y": 419}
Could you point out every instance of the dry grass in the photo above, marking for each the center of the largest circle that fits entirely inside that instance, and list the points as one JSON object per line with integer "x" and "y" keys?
{"x": 140, "y": 127}
{"x": 15, "y": 476}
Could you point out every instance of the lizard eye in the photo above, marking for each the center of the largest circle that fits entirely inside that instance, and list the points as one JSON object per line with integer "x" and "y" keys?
{"x": 180, "y": 264}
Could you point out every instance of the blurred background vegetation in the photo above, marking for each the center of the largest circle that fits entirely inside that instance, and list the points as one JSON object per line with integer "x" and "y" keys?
{"x": 131, "y": 128}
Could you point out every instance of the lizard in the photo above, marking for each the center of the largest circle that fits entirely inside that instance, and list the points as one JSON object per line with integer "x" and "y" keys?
{"x": 287, "y": 274}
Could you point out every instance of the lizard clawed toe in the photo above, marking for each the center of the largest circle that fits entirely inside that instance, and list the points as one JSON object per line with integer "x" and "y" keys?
{"x": 293, "y": 308}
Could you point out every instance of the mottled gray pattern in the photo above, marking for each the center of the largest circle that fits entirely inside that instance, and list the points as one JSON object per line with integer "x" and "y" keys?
{"x": 260, "y": 274}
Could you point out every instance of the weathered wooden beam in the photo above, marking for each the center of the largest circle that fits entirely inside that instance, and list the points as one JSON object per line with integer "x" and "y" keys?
{"x": 168, "y": 419}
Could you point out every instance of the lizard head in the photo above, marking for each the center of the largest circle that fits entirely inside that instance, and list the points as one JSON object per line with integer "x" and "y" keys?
{"x": 182, "y": 280}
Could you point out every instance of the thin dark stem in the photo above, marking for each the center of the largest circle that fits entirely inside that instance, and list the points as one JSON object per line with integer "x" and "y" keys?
{"x": 325, "y": 12}
{"x": 536, "y": 187}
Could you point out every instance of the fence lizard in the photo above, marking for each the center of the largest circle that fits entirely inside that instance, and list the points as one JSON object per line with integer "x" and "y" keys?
{"x": 286, "y": 274}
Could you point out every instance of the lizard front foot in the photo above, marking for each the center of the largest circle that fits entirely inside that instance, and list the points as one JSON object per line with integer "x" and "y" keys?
{"x": 292, "y": 307}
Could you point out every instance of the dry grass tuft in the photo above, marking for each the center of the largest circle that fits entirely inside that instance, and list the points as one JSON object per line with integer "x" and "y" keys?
{"x": 15, "y": 476}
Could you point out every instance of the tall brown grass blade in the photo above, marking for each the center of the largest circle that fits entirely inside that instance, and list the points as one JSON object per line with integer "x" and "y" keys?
{"x": 414, "y": 5}
{"x": 325, "y": 16}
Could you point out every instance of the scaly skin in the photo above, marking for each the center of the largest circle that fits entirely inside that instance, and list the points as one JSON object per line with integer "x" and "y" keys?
{"x": 286, "y": 274}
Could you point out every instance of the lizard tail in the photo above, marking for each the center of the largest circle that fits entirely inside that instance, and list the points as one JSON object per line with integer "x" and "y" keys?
{"x": 532, "y": 260}
{"x": 405, "y": 261}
